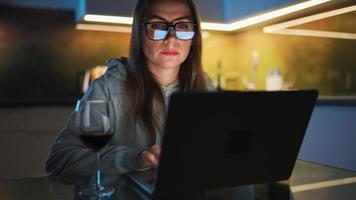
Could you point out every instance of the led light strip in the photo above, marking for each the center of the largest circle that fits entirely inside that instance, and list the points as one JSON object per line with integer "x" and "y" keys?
{"x": 99, "y": 27}
{"x": 219, "y": 26}
{"x": 283, "y": 28}
{"x": 108, "y": 19}
{"x": 314, "y": 33}
{"x": 274, "y": 14}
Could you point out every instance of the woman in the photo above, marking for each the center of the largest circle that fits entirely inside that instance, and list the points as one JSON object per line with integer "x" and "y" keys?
{"x": 164, "y": 57}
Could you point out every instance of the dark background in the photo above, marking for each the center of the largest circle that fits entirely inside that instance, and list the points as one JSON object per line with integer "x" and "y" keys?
{"x": 42, "y": 55}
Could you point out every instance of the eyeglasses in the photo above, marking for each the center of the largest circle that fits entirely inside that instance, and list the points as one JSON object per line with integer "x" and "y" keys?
{"x": 160, "y": 30}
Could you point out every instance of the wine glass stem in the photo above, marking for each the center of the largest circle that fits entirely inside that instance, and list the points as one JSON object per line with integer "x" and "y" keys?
{"x": 98, "y": 175}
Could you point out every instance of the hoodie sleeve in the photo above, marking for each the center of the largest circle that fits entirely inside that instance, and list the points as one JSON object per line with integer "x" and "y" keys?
{"x": 69, "y": 156}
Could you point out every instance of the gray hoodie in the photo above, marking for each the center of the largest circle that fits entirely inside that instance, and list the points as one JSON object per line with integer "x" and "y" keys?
{"x": 69, "y": 156}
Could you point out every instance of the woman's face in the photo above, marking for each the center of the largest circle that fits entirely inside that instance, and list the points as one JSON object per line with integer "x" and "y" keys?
{"x": 171, "y": 52}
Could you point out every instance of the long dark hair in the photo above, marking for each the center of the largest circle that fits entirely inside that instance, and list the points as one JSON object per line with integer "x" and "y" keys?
{"x": 145, "y": 96}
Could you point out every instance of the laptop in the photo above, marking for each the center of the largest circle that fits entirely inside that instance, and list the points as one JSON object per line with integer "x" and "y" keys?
{"x": 222, "y": 139}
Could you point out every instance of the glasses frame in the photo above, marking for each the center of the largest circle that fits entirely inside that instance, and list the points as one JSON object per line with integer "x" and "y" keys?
{"x": 170, "y": 26}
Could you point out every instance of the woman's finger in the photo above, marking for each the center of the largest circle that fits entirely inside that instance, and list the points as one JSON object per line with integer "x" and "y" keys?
{"x": 156, "y": 150}
{"x": 149, "y": 158}
{"x": 152, "y": 158}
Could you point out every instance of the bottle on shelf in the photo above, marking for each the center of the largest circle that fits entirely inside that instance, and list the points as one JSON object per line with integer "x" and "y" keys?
{"x": 274, "y": 80}
{"x": 218, "y": 77}
{"x": 252, "y": 78}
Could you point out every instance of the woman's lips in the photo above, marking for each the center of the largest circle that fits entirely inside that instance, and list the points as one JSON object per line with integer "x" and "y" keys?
{"x": 170, "y": 53}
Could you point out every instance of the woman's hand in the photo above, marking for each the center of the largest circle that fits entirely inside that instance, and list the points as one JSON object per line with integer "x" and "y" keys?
{"x": 149, "y": 158}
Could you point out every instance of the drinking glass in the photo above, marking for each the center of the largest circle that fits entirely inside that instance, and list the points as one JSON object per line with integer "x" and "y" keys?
{"x": 95, "y": 125}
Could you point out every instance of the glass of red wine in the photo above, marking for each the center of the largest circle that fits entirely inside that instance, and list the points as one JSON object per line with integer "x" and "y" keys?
{"x": 95, "y": 127}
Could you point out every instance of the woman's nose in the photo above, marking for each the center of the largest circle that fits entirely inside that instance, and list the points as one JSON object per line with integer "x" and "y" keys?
{"x": 171, "y": 34}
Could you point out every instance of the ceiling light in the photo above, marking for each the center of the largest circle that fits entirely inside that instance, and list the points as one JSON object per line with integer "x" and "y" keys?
{"x": 108, "y": 19}
{"x": 283, "y": 28}
{"x": 315, "y": 33}
{"x": 219, "y": 26}
{"x": 109, "y": 28}
{"x": 274, "y": 14}
{"x": 308, "y": 19}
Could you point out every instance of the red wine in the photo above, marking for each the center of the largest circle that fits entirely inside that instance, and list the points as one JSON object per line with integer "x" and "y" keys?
{"x": 95, "y": 141}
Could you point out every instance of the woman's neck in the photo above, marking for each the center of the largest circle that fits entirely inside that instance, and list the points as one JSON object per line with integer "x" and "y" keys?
{"x": 164, "y": 77}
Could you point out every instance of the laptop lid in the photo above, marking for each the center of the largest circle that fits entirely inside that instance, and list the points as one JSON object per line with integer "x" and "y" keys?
{"x": 217, "y": 140}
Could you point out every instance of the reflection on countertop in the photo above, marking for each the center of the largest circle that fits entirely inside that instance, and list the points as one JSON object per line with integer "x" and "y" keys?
{"x": 309, "y": 181}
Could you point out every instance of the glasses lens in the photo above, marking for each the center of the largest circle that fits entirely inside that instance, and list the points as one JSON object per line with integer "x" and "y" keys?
{"x": 185, "y": 30}
{"x": 156, "y": 30}
{"x": 159, "y": 30}
{"x": 185, "y": 35}
{"x": 158, "y": 34}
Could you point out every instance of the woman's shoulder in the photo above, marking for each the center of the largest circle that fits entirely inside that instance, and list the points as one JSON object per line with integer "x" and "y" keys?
{"x": 114, "y": 77}
{"x": 111, "y": 83}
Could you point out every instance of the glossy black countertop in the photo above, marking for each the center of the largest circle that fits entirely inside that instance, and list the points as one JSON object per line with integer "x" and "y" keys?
{"x": 308, "y": 181}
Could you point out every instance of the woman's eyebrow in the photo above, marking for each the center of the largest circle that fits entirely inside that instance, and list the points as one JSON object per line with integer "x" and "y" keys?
{"x": 163, "y": 19}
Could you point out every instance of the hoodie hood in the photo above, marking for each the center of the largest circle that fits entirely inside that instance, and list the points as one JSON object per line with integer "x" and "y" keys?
{"x": 117, "y": 67}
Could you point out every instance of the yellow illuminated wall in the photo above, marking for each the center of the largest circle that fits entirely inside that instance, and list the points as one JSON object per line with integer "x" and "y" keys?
{"x": 305, "y": 62}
